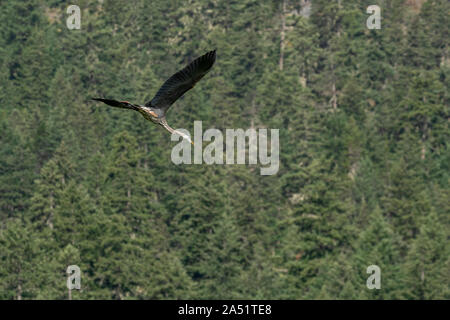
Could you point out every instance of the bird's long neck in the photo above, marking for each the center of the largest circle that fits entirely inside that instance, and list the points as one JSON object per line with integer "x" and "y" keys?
{"x": 163, "y": 122}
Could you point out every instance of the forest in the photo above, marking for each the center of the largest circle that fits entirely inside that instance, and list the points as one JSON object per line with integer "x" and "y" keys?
{"x": 364, "y": 166}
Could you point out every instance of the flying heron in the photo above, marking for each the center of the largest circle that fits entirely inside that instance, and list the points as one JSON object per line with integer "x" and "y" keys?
{"x": 174, "y": 87}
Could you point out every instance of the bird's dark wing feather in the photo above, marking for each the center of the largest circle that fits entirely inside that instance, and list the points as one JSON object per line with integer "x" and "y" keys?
{"x": 118, "y": 104}
{"x": 182, "y": 81}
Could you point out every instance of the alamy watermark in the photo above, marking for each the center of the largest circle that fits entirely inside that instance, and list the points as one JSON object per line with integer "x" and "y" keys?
{"x": 73, "y": 22}
{"x": 374, "y": 20}
{"x": 74, "y": 278}
{"x": 374, "y": 280}
{"x": 214, "y": 152}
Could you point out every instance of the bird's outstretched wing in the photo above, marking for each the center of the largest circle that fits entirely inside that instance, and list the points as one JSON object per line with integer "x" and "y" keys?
{"x": 118, "y": 104}
{"x": 182, "y": 81}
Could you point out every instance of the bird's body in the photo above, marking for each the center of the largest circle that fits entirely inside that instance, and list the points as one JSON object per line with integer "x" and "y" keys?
{"x": 179, "y": 83}
{"x": 150, "y": 114}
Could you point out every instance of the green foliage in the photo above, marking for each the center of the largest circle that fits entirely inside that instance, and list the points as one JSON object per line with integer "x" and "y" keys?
{"x": 364, "y": 173}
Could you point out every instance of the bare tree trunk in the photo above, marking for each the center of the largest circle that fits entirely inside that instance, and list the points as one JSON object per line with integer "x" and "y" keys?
{"x": 333, "y": 91}
{"x": 334, "y": 96}
{"x": 70, "y": 294}
{"x": 424, "y": 136}
{"x": 19, "y": 291}
{"x": 52, "y": 207}
{"x": 253, "y": 114}
{"x": 333, "y": 86}
{"x": 129, "y": 197}
{"x": 118, "y": 295}
{"x": 145, "y": 158}
{"x": 283, "y": 30}
{"x": 302, "y": 79}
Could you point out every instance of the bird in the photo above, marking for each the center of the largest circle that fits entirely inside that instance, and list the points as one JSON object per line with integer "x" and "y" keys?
{"x": 173, "y": 88}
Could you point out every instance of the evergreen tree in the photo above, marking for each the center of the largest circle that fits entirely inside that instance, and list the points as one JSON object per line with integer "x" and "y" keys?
{"x": 427, "y": 262}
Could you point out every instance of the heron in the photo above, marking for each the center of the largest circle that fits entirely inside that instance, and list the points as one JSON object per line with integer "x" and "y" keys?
{"x": 178, "y": 84}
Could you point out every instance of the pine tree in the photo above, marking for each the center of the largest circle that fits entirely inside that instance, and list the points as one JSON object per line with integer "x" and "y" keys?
{"x": 46, "y": 195}
{"x": 427, "y": 262}
{"x": 20, "y": 256}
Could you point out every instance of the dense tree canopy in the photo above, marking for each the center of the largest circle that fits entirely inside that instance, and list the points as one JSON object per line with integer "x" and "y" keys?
{"x": 364, "y": 160}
